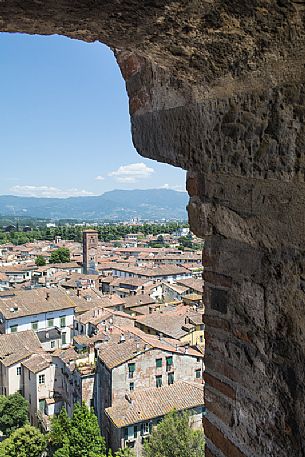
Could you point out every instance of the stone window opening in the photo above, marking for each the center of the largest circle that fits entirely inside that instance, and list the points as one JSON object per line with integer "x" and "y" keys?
{"x": 169, "y": 366}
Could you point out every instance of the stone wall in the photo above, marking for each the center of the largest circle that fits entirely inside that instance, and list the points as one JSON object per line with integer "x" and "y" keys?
{"x": 254, "y": 283}
{"x": 217, "y": 88}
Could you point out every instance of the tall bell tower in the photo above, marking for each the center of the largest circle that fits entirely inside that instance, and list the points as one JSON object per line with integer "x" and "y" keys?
{"x": 90, "y": 249}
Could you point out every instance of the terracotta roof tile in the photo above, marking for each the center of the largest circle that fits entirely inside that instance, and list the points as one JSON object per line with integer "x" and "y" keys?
{"x": 34, "y": 301}
{"x": 37, "y": 362}
{"x": 15, "y": 347}
{"x": 147, "y": 404}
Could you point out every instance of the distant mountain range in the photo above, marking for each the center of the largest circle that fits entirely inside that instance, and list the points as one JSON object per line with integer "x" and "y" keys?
{"x": 119, "y": 205}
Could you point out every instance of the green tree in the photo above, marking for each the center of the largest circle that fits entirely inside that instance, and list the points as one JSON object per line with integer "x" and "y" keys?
{"x": 63, "y": 451}
{"x": 40, "y": 261}
{"x": 127, "y": 452}
{"x": 61, "y": 255}
{"x": 174, "y": 432}
{"x": 27, "y": 441}
{"x": 13, "y": 413}
{"x": 186, "y": 242}
{"x": 77, "y": 437}
{"x": 85, "y": 434}
{"x": 60, "y": 430}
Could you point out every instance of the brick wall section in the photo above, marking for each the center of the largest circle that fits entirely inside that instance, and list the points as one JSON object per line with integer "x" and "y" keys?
{"x": 222, "y": 367}
{"x": 220, "y": 441}
{"x": 225, "y": 389}
{"x": 219, "y": 405}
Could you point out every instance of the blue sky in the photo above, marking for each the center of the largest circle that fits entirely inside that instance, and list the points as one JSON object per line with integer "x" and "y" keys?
{"x": 65, "y": 126}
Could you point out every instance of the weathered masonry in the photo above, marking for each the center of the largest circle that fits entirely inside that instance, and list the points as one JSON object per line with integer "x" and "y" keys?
{"x": 217, "y": 87}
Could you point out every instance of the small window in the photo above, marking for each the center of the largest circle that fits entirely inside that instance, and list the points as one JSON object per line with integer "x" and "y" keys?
{"x": 18, "y": 371}
{"x": 170, "y": 378}
{"x": 169, "y": 363}
{"x": 198, "y": 374}
{"x": 52, "y": 344}
{"x": 14, "y": 328}
{"x": 126, "y": 433}
{"x": 51, "y": 322}
{"x": 169, "y": 360}
{"x": 159, "y": 381}
{"x": 145, "y": 428}
{"x": 131, "y": 386}
{"x": 35, "y": 325}
{"x": 201, "y": 339}
{"x": 135, "y": 431}
{"x": 158, "y": 363}
{"x": 64, "y": 338}
{"x": 62, "y": 321}
{"x": 131, "y": 369}
{"x": 41, "y": 379}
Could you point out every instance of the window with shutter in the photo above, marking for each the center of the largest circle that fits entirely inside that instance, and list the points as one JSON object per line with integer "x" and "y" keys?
{"x": 35, "y": 325}
{"x": 159, "y": 381}
{"x": 158, "y": 363}
{"x": 169, "y": 363}
{"x": 131, "y": 369}
{"x": 170, "y": 378}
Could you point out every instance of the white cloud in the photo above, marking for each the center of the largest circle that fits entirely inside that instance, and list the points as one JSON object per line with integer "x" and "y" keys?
{"x": 176, "y": 187}
{"x": 132, "y": 173}
{"x": 47, "y": 191}
{"x": 100, "y": 178}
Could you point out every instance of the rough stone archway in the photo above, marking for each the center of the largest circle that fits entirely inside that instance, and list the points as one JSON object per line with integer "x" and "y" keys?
{"x": 217, "y": 87}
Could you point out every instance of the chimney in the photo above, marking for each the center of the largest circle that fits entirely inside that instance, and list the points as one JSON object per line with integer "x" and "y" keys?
{"x": 47, "y": 296}
{"x": 122, "y": 338}
{"x": 78, "y": 292}
{"x": 128, "y": 398}
{"x": 91, "y": 353}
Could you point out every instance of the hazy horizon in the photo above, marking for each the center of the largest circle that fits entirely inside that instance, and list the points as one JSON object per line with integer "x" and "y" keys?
{"x": 97, "y": 195}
